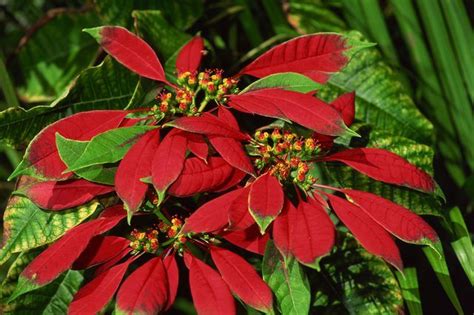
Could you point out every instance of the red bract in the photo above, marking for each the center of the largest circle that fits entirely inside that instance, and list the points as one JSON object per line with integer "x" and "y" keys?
{"x": 189, "y": 58}
{"x": 197, "y": 145}
{"x": 42, "y": 158}
{"x": 249, "y": 239}
{"x": 136, "y": 165}
{"x": 385, "y": 166}
{"x": 313, "y": 55}
{"x": 129, "y": 50}
{"x": 54, "y": 195}
{"x": 172, "y": 273}
{"x": 100, "y": 250}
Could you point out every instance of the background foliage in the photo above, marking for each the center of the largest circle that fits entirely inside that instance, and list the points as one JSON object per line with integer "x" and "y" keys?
{"x": 415, "y": 93}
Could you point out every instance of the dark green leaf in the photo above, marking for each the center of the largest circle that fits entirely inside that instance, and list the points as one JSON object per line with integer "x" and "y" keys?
{"x": 411, "y": 292}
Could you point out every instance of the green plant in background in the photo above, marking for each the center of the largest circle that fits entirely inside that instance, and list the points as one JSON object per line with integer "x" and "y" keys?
{"x": 422, "y": 66}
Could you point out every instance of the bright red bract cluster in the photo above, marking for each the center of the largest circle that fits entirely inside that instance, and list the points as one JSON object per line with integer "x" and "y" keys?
{"x": 256, "y": 187}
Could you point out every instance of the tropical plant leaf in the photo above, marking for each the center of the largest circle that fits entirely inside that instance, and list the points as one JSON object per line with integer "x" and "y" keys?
{"x": 54, "y": 55}
{"x": 461, "y": 243}
{"x": 26, "y": 226}
{"x": 353, "y": 281}
{"x": 287, "y": 280}
{"x": 307, "y": 16}
{"x": 410, "y": 290}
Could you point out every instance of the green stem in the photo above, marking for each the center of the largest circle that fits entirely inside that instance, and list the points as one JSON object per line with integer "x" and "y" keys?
{"x": 162, "y": 217}
{"x": 7, "y": 86}
{"x": 203, "y": 105}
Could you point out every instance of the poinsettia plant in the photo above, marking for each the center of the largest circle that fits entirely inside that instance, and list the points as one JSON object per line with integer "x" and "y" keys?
{"x": 187, "y": 181}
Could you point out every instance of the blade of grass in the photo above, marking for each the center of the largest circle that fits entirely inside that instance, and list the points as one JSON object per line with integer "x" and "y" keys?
{"x": 410, "y": 290}
{"x": 461, "y": 33}
{"x": 275, "y": 14}
{"x": 440, "y": 267}
{"x": 462, "y": 244}
{"x": 437, "y": 110}
{"x": 450, "y": 74}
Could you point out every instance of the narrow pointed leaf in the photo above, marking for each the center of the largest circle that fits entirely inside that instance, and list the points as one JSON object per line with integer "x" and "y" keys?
{"x": 53, "y": 195}
{"x": 242, "y": 279}
{"x": 100, "y": 250}
{"x": 385, "y": 166}
{"x": 172, "y": 273}
{"x": 315, "y": 56}
{"x": 92, "y": 297}
{"x": 207, "y": 124}
{"x": 198, "y": 176}
{"x": 135, "y": 165}
{"x": 396, "y": 219}
{"x": 249, "y": 239}
{"x": 210, "y": 293}
{"x": 312, "y": 235}
{"x": 129, "y": 50}
{"x": 287, "y": 280}
{"x": 211, "y": 216}
{"x": 112, "y": 262}
{"x": 369, "y": 233}
{"x": 303, "y": 109}
{"x": 345, "y": 105}
{"x": 41, "y": 157}
{"x": 189, "y": 57}
{"x": 145, "y": 291}
{"x": 408, "y": 281}
{"x": 265, "y": 200}
{"x": 290, "y": 81}
{"x": 168, "y": 161}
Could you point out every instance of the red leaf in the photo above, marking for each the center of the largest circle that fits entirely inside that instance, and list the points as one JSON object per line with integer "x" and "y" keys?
{"x": 226, "y": 116}
{"x": 53, "y": 195}
{"x": 197, "y": 145}
{"x": 396, "y": 219}
{"x": 109, "y": 264}
{"x": 312, "y": 234}
{"x": 385, "y": 166}
{"x": 249, "y": 239}
{"x": 265, "y": 200}
{"x": 189, "y": 57}
{"x": 60, "y": 255}
{"x": 42, "y": 158}
{"x": 130, "y": 50}
{"x": 239, "y": 214}
{"x": 313, "y": 55}
{"x": 100, "y": 250}
{"x": 303, "y": 109}
{"x": 345, "y": 105}
{"x": 211, "y": 216}
{"x": 369, "y": 233}
{"x": 207, "y": 124}
{"x": 198, "y": 176}
{"x": 242, "y": 279}
{"x": 92, "y": 297}
{"x": 316, "y": 198}
{"x": 145, "y": 291}
{"x": 136, "y": 165}
{"x": 168, "y": 161}
{"x": 283, "y": 228}
{"x": 173, "y": 279}
{"x": 210, "y": 293}
{"x": 231, "y": 150}
{"x": 234, "y": 179}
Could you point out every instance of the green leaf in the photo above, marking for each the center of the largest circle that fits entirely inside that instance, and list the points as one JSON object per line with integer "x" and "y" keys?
{"x": 411, "y": 292}
{"x": 381, "y": 100}
{"x": 51, "y": 299}
{"x": 70, "y": 150}
{"x": 355, "y": 282}
{"x": 107, "y": 147}
{"x": 26, "y": 226}
{"x": 155, "y": 30}
{"x": 54, "y": 55}
{"x": 287, "y": 280}
{"x": 437, "y": 261}
{"x": 289, "y": 81}
{"x": 106, "y": 86}
{"x": 462, "y": 244}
